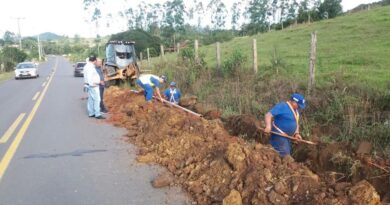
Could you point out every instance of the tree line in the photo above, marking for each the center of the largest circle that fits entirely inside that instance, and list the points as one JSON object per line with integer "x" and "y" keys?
{"x": 174, "y": 19}
{"x": 11, "y": 53}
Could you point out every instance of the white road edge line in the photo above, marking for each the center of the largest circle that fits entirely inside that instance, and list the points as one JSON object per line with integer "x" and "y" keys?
{"x": 36, "y": 96}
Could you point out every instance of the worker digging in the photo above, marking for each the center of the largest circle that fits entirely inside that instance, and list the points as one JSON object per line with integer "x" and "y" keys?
{"x": 282, "y": 120}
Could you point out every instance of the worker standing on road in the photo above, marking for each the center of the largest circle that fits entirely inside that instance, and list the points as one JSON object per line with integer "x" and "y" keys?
{"x": 149, "y": 83}
{"x": 92, "y": 81}
{"x": 172, "y": 94}
{"x": 285, "y": 117}
{"x": 99, "y": 70}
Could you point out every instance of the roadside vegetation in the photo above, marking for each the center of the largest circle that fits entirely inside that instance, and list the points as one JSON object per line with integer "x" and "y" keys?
{"x": 351, "y": 100}
{"x": 5, "y": 76}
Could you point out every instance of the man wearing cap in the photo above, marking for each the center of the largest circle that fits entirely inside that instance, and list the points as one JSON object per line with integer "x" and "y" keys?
{"x": 149, "y": 83}
{"x": 172, "y": 94}
{"x": 284, "y": 118}
{"x": 92, "y": 82}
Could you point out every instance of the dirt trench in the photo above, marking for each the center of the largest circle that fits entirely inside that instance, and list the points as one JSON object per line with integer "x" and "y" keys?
{"x": 216, "y": 167}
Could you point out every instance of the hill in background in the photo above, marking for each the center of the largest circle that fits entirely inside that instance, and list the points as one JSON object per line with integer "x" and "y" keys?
{"x": 48, "y": 36}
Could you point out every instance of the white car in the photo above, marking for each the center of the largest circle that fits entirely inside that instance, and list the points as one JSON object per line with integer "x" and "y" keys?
{"x": 26, "y": 70}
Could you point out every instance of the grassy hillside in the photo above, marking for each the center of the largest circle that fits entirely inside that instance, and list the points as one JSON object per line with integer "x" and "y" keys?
{"x": 355, "y": 46}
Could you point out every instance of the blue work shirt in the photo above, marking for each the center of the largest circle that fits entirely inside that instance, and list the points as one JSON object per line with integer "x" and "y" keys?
{"x": 99, "y": 71}
{"x": 173, "y": 95}
{"x": 155, "y": 81}
{"x": 284, "y": 118}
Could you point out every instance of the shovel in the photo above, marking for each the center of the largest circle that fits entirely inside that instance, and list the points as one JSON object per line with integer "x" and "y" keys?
{"x": 289, "y": 137}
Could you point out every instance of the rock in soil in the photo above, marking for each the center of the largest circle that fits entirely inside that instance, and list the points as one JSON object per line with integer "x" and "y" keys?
{"x": 234, "y": 198}
{"x": 363, "y": 193}
{"x": 162, "y": 181}
{"x": 276, "y": 198}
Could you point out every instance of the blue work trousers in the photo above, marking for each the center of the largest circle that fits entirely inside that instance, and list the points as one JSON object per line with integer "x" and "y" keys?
{"x": 93, "y": 104}
{"x": 148, "y": 90}
{"x": 281, "y": 144}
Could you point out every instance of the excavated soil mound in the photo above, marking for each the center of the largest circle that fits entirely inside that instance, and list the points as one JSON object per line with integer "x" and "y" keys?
{"x": 339, "y": 162}
{"x": 217, "y": 168}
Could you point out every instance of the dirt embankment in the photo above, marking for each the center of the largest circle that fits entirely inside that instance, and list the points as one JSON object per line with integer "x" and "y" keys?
{"x": 218, "y": 168}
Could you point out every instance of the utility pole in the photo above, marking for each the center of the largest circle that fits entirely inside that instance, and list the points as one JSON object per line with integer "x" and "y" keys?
{"x": 20, "y": 36}
{"x": 39, "y": 49}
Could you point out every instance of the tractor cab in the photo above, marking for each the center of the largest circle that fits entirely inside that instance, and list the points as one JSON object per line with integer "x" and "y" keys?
{"x": 121, "y": 62}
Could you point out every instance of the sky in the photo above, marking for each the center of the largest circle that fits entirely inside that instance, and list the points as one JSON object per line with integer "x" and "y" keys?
{"x": 68, "y": 17}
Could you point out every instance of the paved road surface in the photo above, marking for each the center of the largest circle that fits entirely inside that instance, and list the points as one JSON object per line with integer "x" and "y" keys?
{"x": 57, "y": 155}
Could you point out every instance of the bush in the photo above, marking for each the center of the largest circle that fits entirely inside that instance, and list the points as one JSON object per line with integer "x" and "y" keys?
{"x": 142, "y": 40}
{"x": 277, "y": 61}
{"x": 234, "y": 62}
{"x": 9, "y": 66}
{"x": 11, "y": 56}
{"x": 152, "y": 52}
{"x": 187, "y": 54}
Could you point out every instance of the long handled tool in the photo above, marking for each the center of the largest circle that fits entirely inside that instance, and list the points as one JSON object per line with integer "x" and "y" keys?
{"x": 180, "y": 107}
{"x": 289, "y": 137}
{"x": 174, "y": 105}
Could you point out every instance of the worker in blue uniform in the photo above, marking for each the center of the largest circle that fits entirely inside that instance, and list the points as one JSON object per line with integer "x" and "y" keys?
{"x": 172, "y": 94}
{"x": 284, "y": 118}
{"x": 149, "y": 83}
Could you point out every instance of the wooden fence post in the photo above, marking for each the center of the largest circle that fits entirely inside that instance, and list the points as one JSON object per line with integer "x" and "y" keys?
{"x": 140, "y": 59}
{"x": 219, "y": 57}
{"x": 148, "y": 56}
{"x": 312, "y": 61}
{"x": 254, "y": 46}
{"x": 161, "y": 51}
{"x": 196, "y": 51}
{"x": 178, "y": 48}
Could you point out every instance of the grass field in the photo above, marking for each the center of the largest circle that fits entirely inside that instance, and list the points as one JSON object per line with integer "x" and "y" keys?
{"x": 355, "y": 46}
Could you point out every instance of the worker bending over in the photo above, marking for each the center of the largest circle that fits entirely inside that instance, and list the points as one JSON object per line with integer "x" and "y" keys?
{"x": 149, "y": 83}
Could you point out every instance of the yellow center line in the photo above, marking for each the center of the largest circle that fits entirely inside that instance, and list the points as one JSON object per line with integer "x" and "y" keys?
{"x": 36, "y": 96}
{"x": 4, "y": 163}
{"x": 11, "y": 129}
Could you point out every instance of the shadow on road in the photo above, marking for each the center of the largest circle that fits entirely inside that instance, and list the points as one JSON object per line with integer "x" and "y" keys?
{"x": 76, "y": 153}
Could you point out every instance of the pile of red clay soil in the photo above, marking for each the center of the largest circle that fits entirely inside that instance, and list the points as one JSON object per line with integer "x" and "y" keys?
{"x": 218, "y": 168}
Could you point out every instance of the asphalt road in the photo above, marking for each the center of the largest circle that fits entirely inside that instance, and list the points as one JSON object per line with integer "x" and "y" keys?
{"x": 57, "y": 155}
